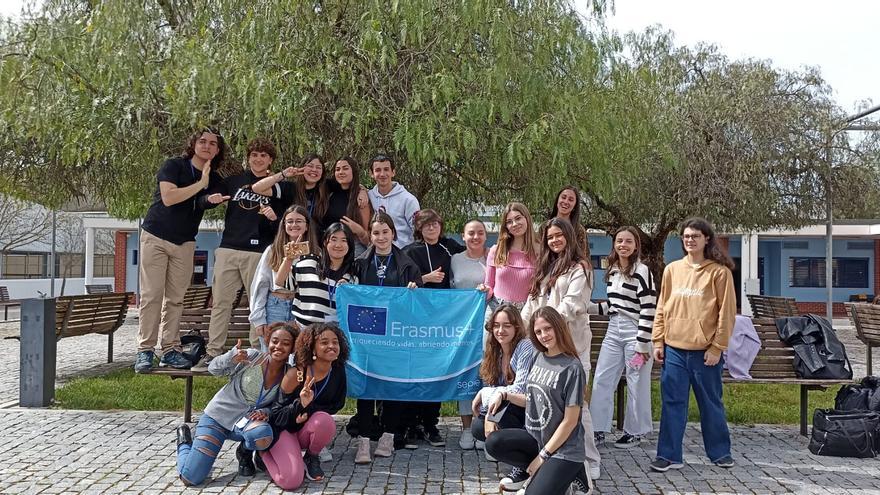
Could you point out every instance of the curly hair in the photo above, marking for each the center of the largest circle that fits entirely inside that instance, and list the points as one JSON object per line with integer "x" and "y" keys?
{"x": 218, "y": 160}
{"x": 308, "y": 337}
{"x": 262, "y": 145}
{"x": 283, "y": 325}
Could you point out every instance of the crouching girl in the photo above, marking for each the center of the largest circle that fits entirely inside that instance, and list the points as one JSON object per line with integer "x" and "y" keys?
{"x": 311, "y": 392}
{"x": 239, "y": 411}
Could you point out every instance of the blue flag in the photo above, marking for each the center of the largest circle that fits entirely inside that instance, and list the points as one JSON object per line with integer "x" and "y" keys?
{"x": 412, "y": 344}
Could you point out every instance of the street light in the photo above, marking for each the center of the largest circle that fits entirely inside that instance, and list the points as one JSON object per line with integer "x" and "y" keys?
{"x": 829, "y": 218}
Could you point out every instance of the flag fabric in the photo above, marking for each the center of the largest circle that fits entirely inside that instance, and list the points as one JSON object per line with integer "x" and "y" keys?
{"x": 412, "y": 344}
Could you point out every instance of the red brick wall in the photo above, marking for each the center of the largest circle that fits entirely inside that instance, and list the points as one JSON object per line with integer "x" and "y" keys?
{"x": 119, "y": 264}
{"x": 819, "y": 308}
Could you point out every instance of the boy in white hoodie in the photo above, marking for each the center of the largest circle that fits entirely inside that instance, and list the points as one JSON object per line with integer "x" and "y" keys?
{"x": 392, "y": 198}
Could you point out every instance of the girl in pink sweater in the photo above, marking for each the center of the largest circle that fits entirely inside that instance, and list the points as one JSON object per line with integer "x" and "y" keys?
{"x": 511, "y": 262}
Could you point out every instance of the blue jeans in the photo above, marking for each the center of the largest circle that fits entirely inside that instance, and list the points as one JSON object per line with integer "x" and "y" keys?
{"x": 195, "y": 461}
{"x": 681, "y": 370}
{"x": 278, "y": 309}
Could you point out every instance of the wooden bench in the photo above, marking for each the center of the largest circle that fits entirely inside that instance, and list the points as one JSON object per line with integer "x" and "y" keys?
{"x": 98, "y": 289}
{"x": 866, "y": 318}
{"x": 98, "y": 313}
{"x": 773, "y": 364}
{"x": 199, "y": 320}
{"x": 197, "y": 297}
{"x": 772, "y": 306}
{"x": 6, "y": 302}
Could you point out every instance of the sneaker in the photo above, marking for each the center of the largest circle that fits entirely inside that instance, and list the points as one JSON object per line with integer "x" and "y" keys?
{"x": 245, "y": 461}
{"x": 725, "y": 462}
{"x": 203, "y": 363}
{"x": 363, "y": 452}
{"x": 599, "y": 438}
{"x": 479, "y": 444}
{"x": 488, "y": 456}
{"x": 144, "y": 362}
{"x": 594, "y": 471}
{"x": 174, "y": 359}
{"x": 662, "y": 465}
{"x": 386, "y": 446}
{"x": 313, "y": 467}
{"x": 627, "y": 441}
{"x": 514, "y": 480}
{"x": 466, "y": 440}
{"x": 413, "y": 436}
{"x": 325, "y": 455}
{"x": 435, "y": 439}
{"x": 578, "y": 487}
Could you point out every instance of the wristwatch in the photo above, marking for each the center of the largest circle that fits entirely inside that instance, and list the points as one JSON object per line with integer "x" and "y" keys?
{"x": 543, "y": 454}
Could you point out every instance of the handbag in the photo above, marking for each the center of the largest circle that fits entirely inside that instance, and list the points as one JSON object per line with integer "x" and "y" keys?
{"x": 193, "y": 346}
{"x": 844, "y": 433}
{"x": 862, "y": 397}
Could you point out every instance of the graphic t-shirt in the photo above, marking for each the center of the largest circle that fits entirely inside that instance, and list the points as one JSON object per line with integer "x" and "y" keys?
{"x": 554, "y": 384}
{"x": 245, "y": 228}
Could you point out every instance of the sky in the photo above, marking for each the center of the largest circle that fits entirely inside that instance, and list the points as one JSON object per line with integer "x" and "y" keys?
{"x": 837, "y": 37}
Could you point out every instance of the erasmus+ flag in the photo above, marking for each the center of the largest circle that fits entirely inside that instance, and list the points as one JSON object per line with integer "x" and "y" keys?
{"x": 412, "y": 344}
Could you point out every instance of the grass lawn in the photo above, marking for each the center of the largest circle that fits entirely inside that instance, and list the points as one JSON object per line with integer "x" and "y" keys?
{"x": 746, "y": 403}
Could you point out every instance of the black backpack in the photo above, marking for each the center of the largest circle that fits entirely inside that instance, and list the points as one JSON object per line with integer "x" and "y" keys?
{"x": 193, "y": 346}
{"x": 862, "y": 397}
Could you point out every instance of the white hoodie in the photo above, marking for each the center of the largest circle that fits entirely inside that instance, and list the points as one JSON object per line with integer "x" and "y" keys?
{"x": 402, "y": 206}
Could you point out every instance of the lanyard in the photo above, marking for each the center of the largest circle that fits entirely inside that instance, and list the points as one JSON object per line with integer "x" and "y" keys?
{"x": 263, "y": 385}
{"x": 380, "y": 274}
{"x": 326, "y": 380}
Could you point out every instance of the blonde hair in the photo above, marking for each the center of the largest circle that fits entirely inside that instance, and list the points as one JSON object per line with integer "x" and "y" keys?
{"x": 505, "y": 240}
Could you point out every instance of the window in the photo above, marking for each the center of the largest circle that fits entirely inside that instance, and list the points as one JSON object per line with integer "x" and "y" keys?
{"x": 24, "y": 265}
{"x": 846, "y": 272}
{"x": 69, "y": 265}
{"x": 104, "y": 265}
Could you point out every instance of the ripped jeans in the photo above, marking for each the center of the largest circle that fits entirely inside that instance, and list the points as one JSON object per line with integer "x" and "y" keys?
{"x": 194, "y": 461}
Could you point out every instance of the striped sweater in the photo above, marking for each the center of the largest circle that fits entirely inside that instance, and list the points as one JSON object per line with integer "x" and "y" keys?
{"x": 635, "y": 298}
{"x": 313, "y": 302}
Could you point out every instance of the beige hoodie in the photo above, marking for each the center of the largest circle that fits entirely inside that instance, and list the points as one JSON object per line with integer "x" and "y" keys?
{"x": 696, "y": 307}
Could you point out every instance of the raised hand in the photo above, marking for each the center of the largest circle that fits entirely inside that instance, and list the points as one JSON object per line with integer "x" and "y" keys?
{"x": 268, "y": 212}
{"x": 217, "y": 198}
{"x": 241, "y": 355}
{"x": 206, "y": 175}
{"x": 436, "y": 276}
{"x": 306, "y": 395}
{"x": 353, "y": 226}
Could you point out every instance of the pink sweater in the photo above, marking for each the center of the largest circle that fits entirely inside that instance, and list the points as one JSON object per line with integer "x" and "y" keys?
{"x": 512, "y": 281}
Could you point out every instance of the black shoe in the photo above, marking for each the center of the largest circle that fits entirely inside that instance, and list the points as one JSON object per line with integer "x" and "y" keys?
{"x": 435, "y": 439}
{"x": 662, "y": 465}
{"x": 414, "y": 435}
{"x": 245, "y": 461}
{"x": 184, "y": 435}
{"x": 514, "y": 480}
{"x": 313, "y": 467}
{"x": 258, "y": 462}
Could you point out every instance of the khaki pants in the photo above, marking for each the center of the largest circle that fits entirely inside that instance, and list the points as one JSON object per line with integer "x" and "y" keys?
{"x": 165, "y": 273}
{"x": 232, "y": 270}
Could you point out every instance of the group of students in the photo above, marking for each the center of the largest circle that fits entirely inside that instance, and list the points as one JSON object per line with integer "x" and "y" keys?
{"x": 293, "y": 242}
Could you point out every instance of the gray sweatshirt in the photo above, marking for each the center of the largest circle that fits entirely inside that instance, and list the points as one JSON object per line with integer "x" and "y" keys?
{"x": 244, "y": 392}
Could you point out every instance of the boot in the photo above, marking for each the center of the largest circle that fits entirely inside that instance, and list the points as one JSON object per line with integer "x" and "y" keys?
{"x": 245, "y": 461}
{"x": 184, "y": 435}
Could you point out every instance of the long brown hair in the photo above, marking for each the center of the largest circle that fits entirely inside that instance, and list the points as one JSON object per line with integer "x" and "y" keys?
{"x": 281, "y": 238}
{"x": 505, "y": 239}
{"x": 550, "y": 265}
{"x": 490, "y": 370}
{"x": 713, "y": 250}
{"x": 614, "y": 258}
{"x": 560, "y": 329}
{"x": 574, "y": 217}
{"x": 352, "y": 210}
{"x": 321, "y": 199}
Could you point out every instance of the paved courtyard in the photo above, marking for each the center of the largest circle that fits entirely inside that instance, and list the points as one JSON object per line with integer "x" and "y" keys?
{"x": 84, "y": 452}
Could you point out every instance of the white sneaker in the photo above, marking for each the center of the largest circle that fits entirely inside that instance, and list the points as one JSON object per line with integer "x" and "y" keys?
{"x": 479, "y": 444}
{"x": 385, "y": 448}
{"x": 466, "y": 440}
{"x": 363, "y": 452}
{"x": 325, "y": 455}
{"x": 594, "y": 472}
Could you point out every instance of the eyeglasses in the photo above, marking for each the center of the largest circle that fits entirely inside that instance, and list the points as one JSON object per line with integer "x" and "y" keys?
{"x": 295, "y": 222}
{"x": 431, "y": 225}
{"x": 515, "y": 220}
{"x": 692, "y": 237}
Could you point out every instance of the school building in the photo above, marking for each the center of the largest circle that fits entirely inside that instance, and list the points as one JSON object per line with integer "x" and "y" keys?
{"x": 789, "y": 263}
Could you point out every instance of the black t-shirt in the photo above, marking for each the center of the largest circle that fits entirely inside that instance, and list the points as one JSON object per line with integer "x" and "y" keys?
{"x": 434, "y": 256}
{"x": 245, "y": 229}
{"x": 178, "y": 223}
{"x": 399, "y": 270}
{"x": 337, "y": 206}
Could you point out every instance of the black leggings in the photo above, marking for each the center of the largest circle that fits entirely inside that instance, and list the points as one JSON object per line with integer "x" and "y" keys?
{"x": 514, "y": 417}
{"x": 518, "y": 448}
